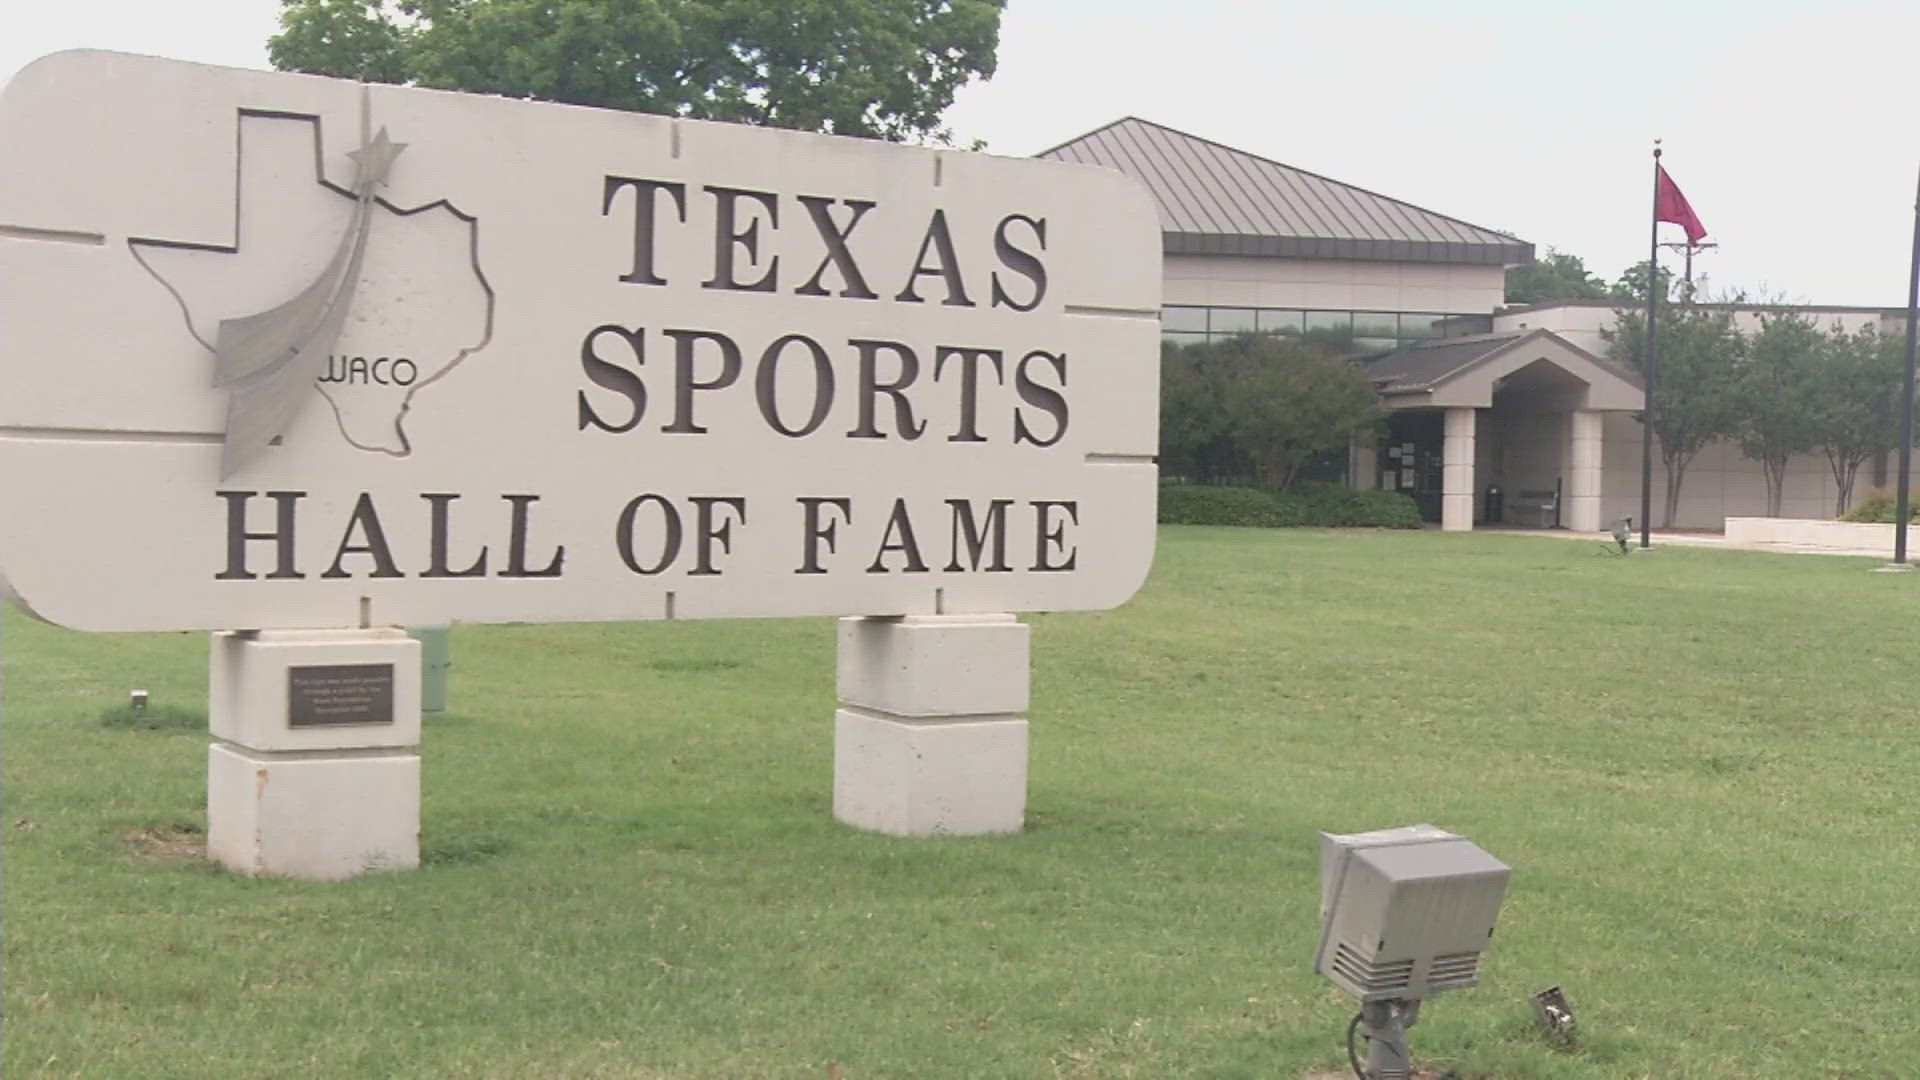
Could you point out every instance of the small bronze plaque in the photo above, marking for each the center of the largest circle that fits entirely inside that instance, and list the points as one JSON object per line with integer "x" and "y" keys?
{"x": 337, "y": 694}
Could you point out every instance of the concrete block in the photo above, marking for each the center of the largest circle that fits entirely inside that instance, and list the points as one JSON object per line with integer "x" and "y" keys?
{"x": 935, "y": 665}
{"x": 1846, "y": 535}
{"x": 317, "y": 816}
{"x": 929, "y": 777}
{"x": 251, "y": 679}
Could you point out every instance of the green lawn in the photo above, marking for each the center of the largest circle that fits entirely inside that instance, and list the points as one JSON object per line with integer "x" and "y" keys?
{"x": 1701, "y": 765}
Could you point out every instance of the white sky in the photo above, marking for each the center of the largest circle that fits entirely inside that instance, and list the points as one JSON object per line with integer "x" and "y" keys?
{"x": 1792, "y": 127}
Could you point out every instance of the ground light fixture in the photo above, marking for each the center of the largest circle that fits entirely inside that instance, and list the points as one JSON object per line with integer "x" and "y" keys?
{"x": 1404, "y": 913}
{"x": 1554, "y": 1013}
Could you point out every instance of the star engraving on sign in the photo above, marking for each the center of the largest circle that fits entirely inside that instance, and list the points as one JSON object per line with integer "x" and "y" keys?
{"x": 375, "y": 161}
{"x": 337, "y": 291}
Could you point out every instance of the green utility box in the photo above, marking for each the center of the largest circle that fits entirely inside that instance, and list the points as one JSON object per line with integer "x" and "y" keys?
{"x": 436, "y": 656}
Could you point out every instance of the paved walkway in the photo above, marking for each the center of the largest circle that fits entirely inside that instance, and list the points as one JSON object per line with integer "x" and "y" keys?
{"x": 1703, "y": 540}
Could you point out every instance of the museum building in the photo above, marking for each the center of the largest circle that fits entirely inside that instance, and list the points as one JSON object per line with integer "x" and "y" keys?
{"x": 1482, "y": 398}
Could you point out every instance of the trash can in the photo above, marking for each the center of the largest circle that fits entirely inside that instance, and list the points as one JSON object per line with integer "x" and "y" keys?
{"x": 1496, "y": 510}
{"x": 436, "y": 656}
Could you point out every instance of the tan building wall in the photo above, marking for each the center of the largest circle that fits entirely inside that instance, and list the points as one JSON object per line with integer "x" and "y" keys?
{"x": 1580, "y": 325}
{"x": 1720, "y": 483}
{"x": 1241, "y": 281}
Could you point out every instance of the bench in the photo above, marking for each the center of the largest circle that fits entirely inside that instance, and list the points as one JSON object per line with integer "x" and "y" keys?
{"x": 1537, "y": 509}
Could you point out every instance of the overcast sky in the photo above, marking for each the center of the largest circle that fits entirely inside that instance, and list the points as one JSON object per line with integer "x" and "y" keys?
{"x": 1792, "y": 127}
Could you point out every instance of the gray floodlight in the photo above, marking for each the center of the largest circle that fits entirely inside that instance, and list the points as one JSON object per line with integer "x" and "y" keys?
{"x": 1404, "y": 913}
{"x": 1623, "y": 532}
{"x": 1554, "y": 1013}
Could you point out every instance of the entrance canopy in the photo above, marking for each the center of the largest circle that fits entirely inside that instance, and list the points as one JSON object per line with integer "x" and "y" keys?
{"x": 1537, "y": 367}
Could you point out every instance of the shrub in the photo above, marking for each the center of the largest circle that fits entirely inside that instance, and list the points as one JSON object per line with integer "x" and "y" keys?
{"x": 1307, "y": 507}
{"x": 1345, "y": 508}
{"x": 1261, "y": 406}
{"x": 1210, "y": 504}
{"x": 1877, "y": 506}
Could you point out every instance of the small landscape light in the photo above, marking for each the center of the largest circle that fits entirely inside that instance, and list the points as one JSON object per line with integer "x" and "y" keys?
{"x": 137, "y": 701}
{"x": 1555, "y": 1014}
{"x": 1622, "y": 532}
{"x": 1404, "y": 913}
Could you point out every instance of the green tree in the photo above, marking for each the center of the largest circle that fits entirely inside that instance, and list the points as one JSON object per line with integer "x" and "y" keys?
{"x": 1696, "y": 367}
{"x": 1632, "y": 285}
{"x": 883, "y": 69}
{"x": 1260, "y": 406}
{"x": 1775, "y": 389}
{"x": 1555, "y": 276}
{"x": 1855, "y": 404}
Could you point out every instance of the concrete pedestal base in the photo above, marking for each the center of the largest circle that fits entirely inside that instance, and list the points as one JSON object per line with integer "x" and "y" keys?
{"x": 931, "y": 738}
{"x": 312, "y": 814}
{"x": 929, "y": 777}
{"x": 316, "y": 774}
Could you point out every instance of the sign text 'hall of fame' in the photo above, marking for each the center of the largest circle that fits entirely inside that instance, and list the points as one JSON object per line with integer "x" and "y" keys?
{"x": 340, "y": 353}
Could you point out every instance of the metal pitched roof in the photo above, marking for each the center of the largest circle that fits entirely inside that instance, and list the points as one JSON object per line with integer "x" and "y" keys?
{"x": 1215, "y": 200}
{"x": 1424, "y": 365}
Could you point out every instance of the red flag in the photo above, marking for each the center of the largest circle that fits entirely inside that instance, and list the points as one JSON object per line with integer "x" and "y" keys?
{"x": 1670, "y": 205}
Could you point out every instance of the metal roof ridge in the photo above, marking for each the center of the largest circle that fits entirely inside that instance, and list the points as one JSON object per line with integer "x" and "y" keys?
{"x": 1090, "y": 134}
{"x": 1294, "y": 168}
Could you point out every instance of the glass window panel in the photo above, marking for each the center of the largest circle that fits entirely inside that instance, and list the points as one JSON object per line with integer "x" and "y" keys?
{"x": 1283, "y": 320}
{"x": 1414, "y": 325}
{"x": 1183, "y": 318}
{"x": 1364, "y": 346}
{"x": 1379, "y": 324}
{"x": 1230, "y": 320}
{"x": 1468, "y": 325}
{"x": 1330, "y": 320}
{"x": 1180, "y": 337}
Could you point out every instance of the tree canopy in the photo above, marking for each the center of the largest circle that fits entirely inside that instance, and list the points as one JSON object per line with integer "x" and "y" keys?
{"x": 1631, "y": 285}
{"x": 1260, "y": 407}
{"x": 883, "y": 69}
{"x": 1776, "y": 388}
{"x": 1855, "y": 404}
{"x": 1555, "y": 276}
{"x": 1699, "y": 356}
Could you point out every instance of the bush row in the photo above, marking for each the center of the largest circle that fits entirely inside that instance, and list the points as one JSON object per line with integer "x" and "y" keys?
{"x": 1877, "y": 506}
{"x": 1305, "y": 507}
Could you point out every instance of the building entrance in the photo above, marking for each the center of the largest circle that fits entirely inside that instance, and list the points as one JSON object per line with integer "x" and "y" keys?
{"x": 1410, "y": 457}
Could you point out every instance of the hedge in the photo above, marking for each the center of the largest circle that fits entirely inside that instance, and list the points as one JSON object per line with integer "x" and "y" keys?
{"x": 1877, "y": 506}
{"x": 1306, "y": 507}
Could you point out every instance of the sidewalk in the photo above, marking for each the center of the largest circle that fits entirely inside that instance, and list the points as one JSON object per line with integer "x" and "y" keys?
{"x": 1708, "y": 540}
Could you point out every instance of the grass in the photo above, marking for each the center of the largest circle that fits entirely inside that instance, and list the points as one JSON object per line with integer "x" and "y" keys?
{"x": 1700, "y": 764}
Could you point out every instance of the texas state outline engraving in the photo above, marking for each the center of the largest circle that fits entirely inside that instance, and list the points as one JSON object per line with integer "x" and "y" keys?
{"x": 327, "y": 286}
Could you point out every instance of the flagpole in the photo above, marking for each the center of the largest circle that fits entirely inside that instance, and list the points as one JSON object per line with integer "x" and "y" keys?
{"x": 1647, "y": 371}
{"x": 1901, "y": 510}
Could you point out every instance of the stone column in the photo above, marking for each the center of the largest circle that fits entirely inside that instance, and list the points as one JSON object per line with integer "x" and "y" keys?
{"x": 1583, "y": 472}
{"x": 1365, "y": 459}
{"x": 931, "y": 734}
{"x": 317, "y": 773}
{"x": 1456, "y": 472}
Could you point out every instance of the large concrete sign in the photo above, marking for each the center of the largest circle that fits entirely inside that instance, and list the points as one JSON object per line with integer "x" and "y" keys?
{"x": 289, "y": 352}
